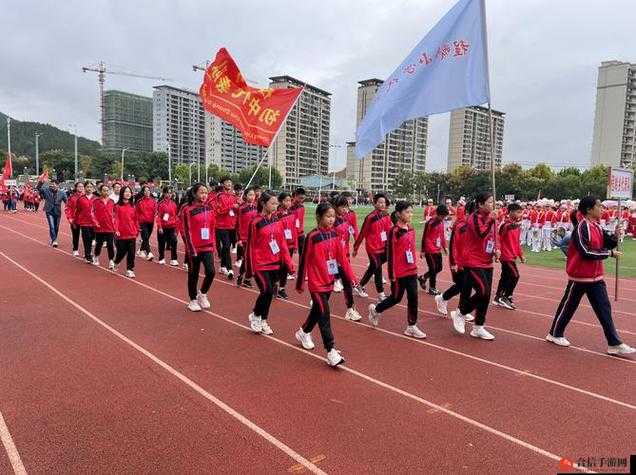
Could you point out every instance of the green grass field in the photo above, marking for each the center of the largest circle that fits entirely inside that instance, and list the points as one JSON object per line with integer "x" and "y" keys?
{"x": 555, "y": 259}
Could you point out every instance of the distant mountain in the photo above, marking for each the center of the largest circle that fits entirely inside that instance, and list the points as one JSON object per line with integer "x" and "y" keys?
{"x": 51, "y": 138}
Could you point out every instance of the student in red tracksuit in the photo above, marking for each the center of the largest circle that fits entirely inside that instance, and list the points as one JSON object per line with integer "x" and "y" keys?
{"x": 298, "y": 208}
{"x": 167, "y": 226}
{"x": 103, "y": 209}
{"x": 85, "y": 219}
{"x": 402, "y": 266}
{"x": 375, "y": 230}
{"x": 146, "y": 207}
{"x": 126, "y": 230}
{"x": 69, "y": 212}
{"x": 321, "y": 261}
{"x": 589, "y": 246}
{"x": 433, "y": 243}
{"x": 480, "y": 247}
{"x": 246, "y": 212}
{"x": 226, "y": 209}
{"x": 351, "y": 216}
{"x": 198, "y": 224}
{"x": 345, "y": 230}
{"x": 287, "y": 220}
{"x": 455, "y": 260}
{"x": 266, "y": 253}
{"x": 510, "y": 245}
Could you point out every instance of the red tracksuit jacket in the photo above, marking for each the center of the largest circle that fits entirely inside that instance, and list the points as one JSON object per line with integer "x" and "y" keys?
{"x": 146, "y": 209}
{"x": 69, "y": 209}
{"x": 104, "y": 215}
{"x": 322, "y": 247}
{"x": 167, "y": 214}
{"x": 480, "y": 241}
{"x": 343, "y": 226}
{"x": 195, "y": 219}
{"x": 589, "y": 245}
{"x": 225, "y": 210}
{"x": 261, "y": 255}
{"x": 375, "y": 230}
{"x": 353, "y": 221}
{"x": 509, "y": 240}
{"x": 84, "y": 212}
{"x": 299, "y": 211}
{"x": 456, "y": 244}
{"x": 126, "y": 223}
{"x": 433, "y": 239}
{"x": 401, "y": 252}
{"x": 246, "y": 213}
{"x": 288, "y": 221}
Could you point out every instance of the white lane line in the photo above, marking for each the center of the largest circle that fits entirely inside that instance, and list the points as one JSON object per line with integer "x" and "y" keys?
{"x": 216, "y": 401}
{"x": 9, "y": 446}
{"x": 300, "y": 459}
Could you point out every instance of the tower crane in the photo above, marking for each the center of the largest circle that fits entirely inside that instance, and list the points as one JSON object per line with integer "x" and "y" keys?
{"x": 101, "y": 71}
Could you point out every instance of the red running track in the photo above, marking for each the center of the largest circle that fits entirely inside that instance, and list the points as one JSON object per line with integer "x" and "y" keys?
{"x": 450, "y": 403}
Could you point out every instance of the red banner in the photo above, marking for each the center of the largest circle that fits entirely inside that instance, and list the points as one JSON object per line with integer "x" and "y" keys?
{"x": 257, "y": 113}
{"x": 7, "y": 171}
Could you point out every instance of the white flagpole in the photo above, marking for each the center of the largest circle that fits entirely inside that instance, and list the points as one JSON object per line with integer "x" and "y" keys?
{"x": 491, "y": 121}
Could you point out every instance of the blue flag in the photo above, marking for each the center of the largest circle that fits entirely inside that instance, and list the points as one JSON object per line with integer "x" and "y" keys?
{"x": 447, "y": 70}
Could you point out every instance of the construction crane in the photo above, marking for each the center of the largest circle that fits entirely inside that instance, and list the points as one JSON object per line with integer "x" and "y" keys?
{"x": 101, "y": 71}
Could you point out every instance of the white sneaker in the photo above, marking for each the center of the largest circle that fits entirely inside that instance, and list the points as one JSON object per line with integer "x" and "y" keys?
{"x": 441, "y": 305}
{"x": 479, "y": 331}
{"x": 223, "y": 271}
{"x": 352, "y": 315}
{"x": 54, "y": 243}
{"x": 360, "y": 292}
{"x": 334, "y": 358}
{"x": 174, "y": 262}
{"x": 95, "y": 261}
{"x": 185, "y": 266}
{"x": 415, "y": 332}
{"x": 557, "y": 340}
{"x": 374, "y": 316}
{"x": 238, "y": 263}
{"x": 203, "y": 301}
{"x": 469, "y": 318}
{"x": 458, "y": 322}
{"x": 230, "y": 274}
{"x": 194, "y": 306}
{"x": 75, "y": 253}
{"x": 305, "y": 339}
{"x": 621, "y": 349}
{"x": 337, "y": 286}
{"x": 149, "y": 256}
{"x": 111, "y": 265}
{"x": 142, "y": 254}
{"x": 233, "y": 250}
{"x": 291, "y": 276}
{"x": 381, "y": 297}
{"x": 383, "y": 280}
{"x": 162, "y": 262}
{"x": 130, "y": 274}
{"x": 265, "y": 328}
{"x": 256, "y": 323}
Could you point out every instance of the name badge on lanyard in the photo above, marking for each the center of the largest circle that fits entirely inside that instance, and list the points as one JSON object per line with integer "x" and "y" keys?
{"x": 438, "y": 242}
{"x": 287, "y": 233}
{"x": 205, "y": 233}
{"x": 273, "y": 245}
{"x": 383, "y": 236}
{"x": 332, "y": 266}
{"x": 351, "y": 230}
{"x": 166, "y": 216}
{"x": 297, "y": 223}
{"x": 231, "y": 212}
{"x": 490, "y": 246}
{"x": 409, "y": 257}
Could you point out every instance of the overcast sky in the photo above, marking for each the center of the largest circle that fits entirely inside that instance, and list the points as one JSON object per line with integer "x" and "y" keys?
{"x": 544, "y": 56}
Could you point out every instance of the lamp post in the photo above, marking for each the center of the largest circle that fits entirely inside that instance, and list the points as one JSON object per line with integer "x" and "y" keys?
{"x": 37, "y": 153}
{"x": 190, "y": 172}
{"x": 123, "y": 151}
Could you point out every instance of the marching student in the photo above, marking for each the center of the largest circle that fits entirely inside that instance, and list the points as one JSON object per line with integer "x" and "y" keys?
{"x": 429, "y": 210}
{"x": 402, "y": 267}
{"x": 345, "y": 230}
{"x": 126, "y": 230}
{"x": 146, "y": 207}
{"x": 104, "y": 209}
{"x": 510, "y": 246}
{"x": 266, "y": 253}
{"x": 321, "y": 260}
{"x": 167, "y": 226}
{"x": 246, "y": 212}
{"x": 69, "y": 212}
{"x": 480, "y": 247}
{"x": 298, "y": 208}
{"x": 114, "y": 194}
{"x": 287, "y": 220}
{"x": 374, "y": 232}
{"x": 85, "y": 219}
{"x": 433, "y": 243}
{"x": 198, "y": 223}
{"x": 226, "y": 209}
{"x": 587, "y": 249}
{"x": 546, "y": 231}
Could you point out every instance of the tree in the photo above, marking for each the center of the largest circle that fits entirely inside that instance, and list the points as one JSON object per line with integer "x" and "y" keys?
{"x": 62, "y": 162}
{"x": 261, "y": 178}
{"x": 181, "y": 174}
{"x": 405, "y": 184}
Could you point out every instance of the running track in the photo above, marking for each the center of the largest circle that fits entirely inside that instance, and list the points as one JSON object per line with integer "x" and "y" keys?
{"x": 102, "y": 373}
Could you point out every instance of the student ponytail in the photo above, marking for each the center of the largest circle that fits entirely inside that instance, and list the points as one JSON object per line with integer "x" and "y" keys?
{"x": 264, "y": 198}
{"x": 585, "y": 205}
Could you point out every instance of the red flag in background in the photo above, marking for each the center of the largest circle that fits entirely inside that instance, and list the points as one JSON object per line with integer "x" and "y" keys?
{"x": 257, "y": 113}
{"x": 7, "y": 171}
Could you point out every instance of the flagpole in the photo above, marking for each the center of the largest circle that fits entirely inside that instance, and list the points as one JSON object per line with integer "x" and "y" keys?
{"x": 491, "y": 121}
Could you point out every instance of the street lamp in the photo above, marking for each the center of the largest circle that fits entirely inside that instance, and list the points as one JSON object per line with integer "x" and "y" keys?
{"x": 74, "y": 127}
{"x": 190, "y": 172}
{"x": 37, "y": 153}
{"x": 123, "y": 150}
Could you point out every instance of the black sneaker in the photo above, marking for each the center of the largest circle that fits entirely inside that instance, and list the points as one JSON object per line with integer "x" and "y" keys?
{"x": 511, "y": 303}
{"x": 282, "y": 294}
{"x": 247, "y": 283}
{"x": 230, "y": 275}
{"x": 433, "y": 291}
{"x": 239, "y": 280}
{"x": 502, "y": 302}
{"x": 422, "y": 282}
